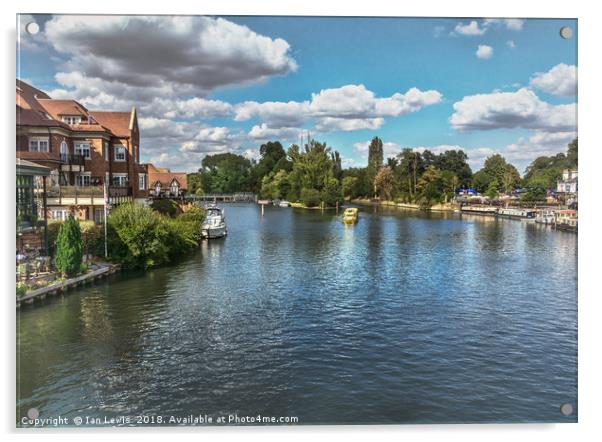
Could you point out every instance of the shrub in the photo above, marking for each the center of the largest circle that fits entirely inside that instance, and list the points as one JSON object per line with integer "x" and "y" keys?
{"x": 141, "y": 234}
{"x": 310, "y": 197}
{"x": 165, "y": 206}
{"x": 21, "y": 290}
{"x": 69, "y": 248}
{"x": 140, "y": 237}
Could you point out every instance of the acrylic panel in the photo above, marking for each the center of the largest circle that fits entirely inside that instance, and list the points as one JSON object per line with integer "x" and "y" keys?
{"x": 280, "y": 220}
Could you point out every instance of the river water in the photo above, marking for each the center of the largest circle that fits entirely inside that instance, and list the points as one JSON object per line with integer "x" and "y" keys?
{"x": 403, "y": 318}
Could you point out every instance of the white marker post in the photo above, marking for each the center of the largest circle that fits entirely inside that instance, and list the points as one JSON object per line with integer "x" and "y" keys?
{"x": 106, "y": 204}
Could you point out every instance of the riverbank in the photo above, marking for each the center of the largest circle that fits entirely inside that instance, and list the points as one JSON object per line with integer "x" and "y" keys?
{"x": 449, "y": 207}
{"x": 102, "y": 270}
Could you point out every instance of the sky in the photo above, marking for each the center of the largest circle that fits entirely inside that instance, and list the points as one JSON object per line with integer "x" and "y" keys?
{"x": 206, "y": 85}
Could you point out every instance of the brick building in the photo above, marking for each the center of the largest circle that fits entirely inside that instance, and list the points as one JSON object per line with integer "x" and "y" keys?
{"x": 163, "y": 183}
{"x": 84, "y": 149}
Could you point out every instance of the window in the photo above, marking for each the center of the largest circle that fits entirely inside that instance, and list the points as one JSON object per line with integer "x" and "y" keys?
{"x": 83, "y": 149}
{"x": 72, "y": 120}
{"x": 82, "y": 180}
{"x": 158, "y": 188}
{"x": 120, "y": 180}
{"x": 106, "y": 151}
{"x": 119, "y": 153}
{"x": 174, "y": 187}
{"x": 59, "y": 214}
{"x": 135, "y": 154}
{"x": 38, "y": 145}
{"x": 142, "y": 181}
{"x": 99, "y": 216}
{"x": 64, "y": 152}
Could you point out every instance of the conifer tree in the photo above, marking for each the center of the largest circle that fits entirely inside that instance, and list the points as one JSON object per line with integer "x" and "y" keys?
{"x": 69, "y": 248}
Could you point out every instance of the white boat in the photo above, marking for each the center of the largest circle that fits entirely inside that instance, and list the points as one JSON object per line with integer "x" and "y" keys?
{"x": 284, "y": 204}
{"x": 545, "y": 217}
{"x": 513, "y": 212}
{"x": 214, "y": 225}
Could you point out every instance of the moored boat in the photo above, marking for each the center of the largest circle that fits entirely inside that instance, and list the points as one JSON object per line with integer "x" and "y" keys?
{"x": 351, "y": 215}
{"x": 513, "y": 212}
{"x": 483, "y": 210}
{"x": 545, "y": 217}
{"x": 284, "y": 203}
{"x": 566, "y": 220}
{"x": 214, "y": 225}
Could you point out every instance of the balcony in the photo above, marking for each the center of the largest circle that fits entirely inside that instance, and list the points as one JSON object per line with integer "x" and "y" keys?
{"x": 87, "y": 195}
{"x": 72, "y": 163}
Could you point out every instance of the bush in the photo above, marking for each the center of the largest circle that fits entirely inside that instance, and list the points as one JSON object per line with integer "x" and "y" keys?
{"x": 21, "y": 290}
{"x": 310, "y": 197}
{"x": 140, "y": 237}
{"x": 69, "y": 248}
{"x": 165, "y": 206}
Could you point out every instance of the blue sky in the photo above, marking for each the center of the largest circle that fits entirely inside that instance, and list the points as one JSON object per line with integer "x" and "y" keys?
{"x": 485, "y": 86}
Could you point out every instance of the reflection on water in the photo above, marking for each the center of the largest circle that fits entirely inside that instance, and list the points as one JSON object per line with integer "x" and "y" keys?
{"x": 402, "y": 318}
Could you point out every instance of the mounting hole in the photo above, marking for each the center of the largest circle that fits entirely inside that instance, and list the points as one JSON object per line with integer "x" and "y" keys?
{"x": 566, "y": 32}
{"x": 33, "y": 413}
{"x": 566, "y": 409}
{"x": 32, "y": 28}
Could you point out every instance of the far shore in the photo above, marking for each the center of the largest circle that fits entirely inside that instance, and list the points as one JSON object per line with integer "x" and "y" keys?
{"x": 448, "y": 207}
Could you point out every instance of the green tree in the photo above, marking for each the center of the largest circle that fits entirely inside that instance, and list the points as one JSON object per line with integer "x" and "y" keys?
{"x": 312, "y": 167}
{"x": 331, "y": 193}
{"x": 481, "y": 181}
{"x": 310, "y": 197}
{"x": 225, "y": 173}
{"x": 492, "y": 189}
{"x": 195, "y": 183}
{"x": 537, "y": 188}
{"x": 349, "y": 186}
{"x": 430, "y": 187}
{"x": 455, "y": 161}
{"x": 384, "y": 182}
{"x": 572, "y": 154}
{"x": 375, "y": 158}
{"x": 69, "y": 248}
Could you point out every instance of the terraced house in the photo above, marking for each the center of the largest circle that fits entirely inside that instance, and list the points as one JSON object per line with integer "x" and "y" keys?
{"x": 83, "y": 149}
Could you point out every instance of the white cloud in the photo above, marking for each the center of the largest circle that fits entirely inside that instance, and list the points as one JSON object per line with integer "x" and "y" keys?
{"x": 520, "y": 109}
{"x": 471, "y": 28}
{"x": 512, "y": 24}
{"x": 560, "y": 80}
{"x": 484, "y": 52}
{"x": 475, "y": 28}
{"x": 539, "y": 144}
{"x": 265, "y": 133}
{"x": 331, "y": 124}
{"x": 177, "y": 54}
{"x": 274, "y": 113}
{"x": 347, "y": 108}
{"x": 511, "y": 44}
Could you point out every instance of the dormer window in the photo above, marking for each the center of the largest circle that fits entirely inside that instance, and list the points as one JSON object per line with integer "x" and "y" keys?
{"x": 174, "y": 187}
{"x": 70, "y": 119}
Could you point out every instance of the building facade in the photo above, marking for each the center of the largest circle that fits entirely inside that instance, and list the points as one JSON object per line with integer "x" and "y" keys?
{"x": 163, "y": 183}
{"x": 569, "y": 182}
{"x": 84, "y": 150}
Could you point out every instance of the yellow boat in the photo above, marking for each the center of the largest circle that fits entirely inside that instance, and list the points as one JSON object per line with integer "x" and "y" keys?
{"x": 350, "y": 216}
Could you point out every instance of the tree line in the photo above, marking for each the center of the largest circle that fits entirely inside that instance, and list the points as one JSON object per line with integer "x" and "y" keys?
{"x": 313, "y": 174}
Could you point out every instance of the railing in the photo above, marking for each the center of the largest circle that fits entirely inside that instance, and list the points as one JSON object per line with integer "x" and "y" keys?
{"x": 87, "y": 192}
{"x": 72, "y": 159}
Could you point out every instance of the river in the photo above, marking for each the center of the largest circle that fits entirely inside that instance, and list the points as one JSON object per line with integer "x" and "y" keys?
{"x": 405, "y": 317}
